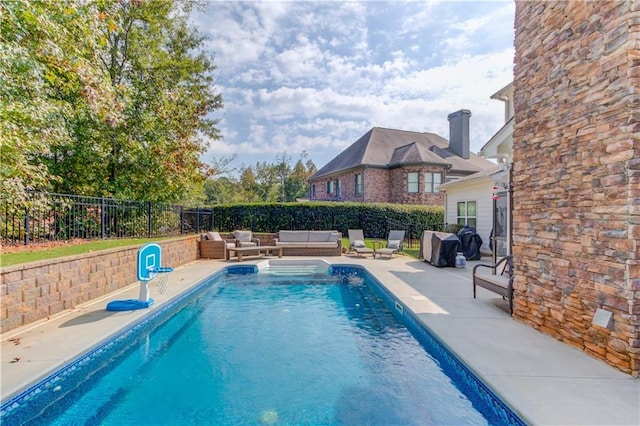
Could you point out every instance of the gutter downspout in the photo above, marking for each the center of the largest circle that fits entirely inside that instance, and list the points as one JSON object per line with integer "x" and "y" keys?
{"x": 445, "y": 209}
{"x": 510, "y": 210}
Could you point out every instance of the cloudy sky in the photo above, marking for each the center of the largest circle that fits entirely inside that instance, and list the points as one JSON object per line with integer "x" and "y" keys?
{"x": 314, "y": 76}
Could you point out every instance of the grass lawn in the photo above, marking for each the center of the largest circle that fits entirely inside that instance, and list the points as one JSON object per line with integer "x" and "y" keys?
{"x": 413, "y": 252}
{"x": 37, "y": 252}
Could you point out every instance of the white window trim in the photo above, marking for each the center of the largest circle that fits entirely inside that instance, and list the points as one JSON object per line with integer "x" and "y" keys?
{"x": 416, "y": 182}
{"x": 466, "y": 216}
{"x": 432, "y": 187}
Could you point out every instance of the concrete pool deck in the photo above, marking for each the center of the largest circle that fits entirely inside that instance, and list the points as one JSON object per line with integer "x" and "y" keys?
{"x": 544, "y": 381}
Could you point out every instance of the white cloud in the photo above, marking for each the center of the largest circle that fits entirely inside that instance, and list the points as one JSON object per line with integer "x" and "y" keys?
{"x": 315, "y": 76}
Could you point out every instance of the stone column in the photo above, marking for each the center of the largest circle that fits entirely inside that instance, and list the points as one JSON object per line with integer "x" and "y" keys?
{"x": 576, "y": 176}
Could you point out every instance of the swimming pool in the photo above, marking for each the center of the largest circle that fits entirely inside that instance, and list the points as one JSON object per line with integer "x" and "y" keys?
{"x": 250, "y": 348}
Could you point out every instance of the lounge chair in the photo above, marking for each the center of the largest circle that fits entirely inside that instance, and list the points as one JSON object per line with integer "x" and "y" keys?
{"x": 356, "y": 242}
{"x": 394, "y": 244}
{"x": 245, "y": 239}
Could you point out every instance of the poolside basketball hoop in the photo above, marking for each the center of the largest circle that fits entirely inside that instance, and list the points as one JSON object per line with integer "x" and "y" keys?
{"x": 148, "y": 268}
{"x": 161, "y": 275}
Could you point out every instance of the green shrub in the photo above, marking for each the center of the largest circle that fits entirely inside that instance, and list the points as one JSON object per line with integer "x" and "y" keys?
{"x": 375, "y": 219}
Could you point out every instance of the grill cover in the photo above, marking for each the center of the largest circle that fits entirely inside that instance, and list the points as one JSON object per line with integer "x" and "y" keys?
{"x": 471, "y": 243}
{"x": 439, "y": 248}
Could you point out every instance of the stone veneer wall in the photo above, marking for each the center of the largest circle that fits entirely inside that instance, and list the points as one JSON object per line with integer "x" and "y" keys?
{"x": 33, "y": 291}
{"x": 576, "y": 176}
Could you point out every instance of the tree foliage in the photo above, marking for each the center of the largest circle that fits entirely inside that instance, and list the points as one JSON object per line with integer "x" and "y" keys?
{"x": 105, "y": 97}
{"x": 279, "y": 181}
{"x": 45, "y": 78}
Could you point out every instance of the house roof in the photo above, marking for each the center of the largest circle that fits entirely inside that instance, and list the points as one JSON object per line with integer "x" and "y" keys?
{"x": 491, "y": 173}
{"x": 506, "y": 93}
{"x": 501, "y": 144}
{"x": 389, "y": 148}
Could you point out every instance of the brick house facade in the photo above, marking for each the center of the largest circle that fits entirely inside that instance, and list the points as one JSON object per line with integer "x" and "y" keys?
{"x": 378, "y": 186}
{"x": 396, "y": 166}
{"x": 576, "y": 176}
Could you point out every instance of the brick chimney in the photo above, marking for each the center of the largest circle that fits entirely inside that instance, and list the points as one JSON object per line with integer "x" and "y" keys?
{"x": 459, "y": 132}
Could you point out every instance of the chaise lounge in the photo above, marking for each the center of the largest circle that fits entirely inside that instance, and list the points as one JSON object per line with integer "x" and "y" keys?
{"x": 394, "y": 244}
{"x": 356, "y": 242}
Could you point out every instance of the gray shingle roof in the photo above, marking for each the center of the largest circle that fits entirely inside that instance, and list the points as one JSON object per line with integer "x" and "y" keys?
{"x": 388, "y": 148}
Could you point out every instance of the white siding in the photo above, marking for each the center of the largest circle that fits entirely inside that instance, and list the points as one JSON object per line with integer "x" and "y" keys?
{"x": 480, "y": 191}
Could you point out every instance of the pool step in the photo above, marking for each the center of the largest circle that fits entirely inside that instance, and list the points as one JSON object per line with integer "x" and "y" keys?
{"x": 293, "y": 267}
{"x": 293, "y": 270}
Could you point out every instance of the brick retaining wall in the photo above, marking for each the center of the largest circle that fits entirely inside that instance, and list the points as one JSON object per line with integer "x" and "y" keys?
{"x": 34, "y": 291}
{"x": 576, "y": 178}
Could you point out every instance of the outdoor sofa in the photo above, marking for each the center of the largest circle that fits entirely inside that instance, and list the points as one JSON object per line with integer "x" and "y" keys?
{"x": 309, "y": 243}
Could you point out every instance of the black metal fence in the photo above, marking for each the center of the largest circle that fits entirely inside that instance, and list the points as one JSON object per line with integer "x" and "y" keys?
{"x": 58, "y": 217}
{"x": 412, "y": 231}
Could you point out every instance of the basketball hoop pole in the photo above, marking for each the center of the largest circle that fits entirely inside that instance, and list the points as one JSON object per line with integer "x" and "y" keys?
{"x": 143, "y": 296}
{"x": 144, "y": 291}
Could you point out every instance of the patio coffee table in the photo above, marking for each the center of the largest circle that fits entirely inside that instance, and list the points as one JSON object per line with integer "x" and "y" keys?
{"x": 240, "y": 251}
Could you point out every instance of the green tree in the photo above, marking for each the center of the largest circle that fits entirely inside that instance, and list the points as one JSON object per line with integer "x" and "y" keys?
{"x": 296, "y": 186}
{"x": 46, "y": 77}
{"x": 157, "y": 63}
{"x": 105, "y": 97}
{"x": 267, "y": 184}
{"x": 222, "y": 190}
{"x": 249, "y": 188}
{"x": 282, "y": 169}
{"x": 297, "y": 183}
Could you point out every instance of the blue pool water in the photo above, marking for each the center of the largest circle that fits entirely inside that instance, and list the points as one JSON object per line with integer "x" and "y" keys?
{"x": 248, "y": 348}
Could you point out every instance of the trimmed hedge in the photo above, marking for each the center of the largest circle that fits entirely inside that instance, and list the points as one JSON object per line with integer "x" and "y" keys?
{"x": 375, "y": 219}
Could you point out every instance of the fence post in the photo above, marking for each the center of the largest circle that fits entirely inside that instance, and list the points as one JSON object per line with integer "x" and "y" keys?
{"x": 197, "y": 219}
{"x": 26, "y": 226}
{"x": 149, "y": 221}
{"x": 411, "y": 237}
{"x": 181, "y": 220}
{"x": 102, "y": 217}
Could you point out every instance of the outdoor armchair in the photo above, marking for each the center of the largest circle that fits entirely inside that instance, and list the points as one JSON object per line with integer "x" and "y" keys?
{"x": 497, "y": 278}
{"x": 245, "y": 239}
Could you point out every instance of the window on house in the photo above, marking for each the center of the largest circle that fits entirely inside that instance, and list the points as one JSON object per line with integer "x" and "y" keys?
{"x": 338, "y": 189}
{"x": 329, "y": 187}
{"x": 412, "y": 182}
{"x": 432, "y": 182}
{"x": 313, "y": 191}
{"x": 358, "y": 184}
{"x": 467, "y": 214}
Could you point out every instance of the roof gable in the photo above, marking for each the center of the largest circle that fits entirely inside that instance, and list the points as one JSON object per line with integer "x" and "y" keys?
{"x": 416, "y": 153}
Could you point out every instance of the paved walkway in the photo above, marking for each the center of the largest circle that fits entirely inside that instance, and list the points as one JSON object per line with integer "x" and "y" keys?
{"x": 546, "y": 382}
